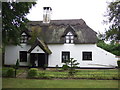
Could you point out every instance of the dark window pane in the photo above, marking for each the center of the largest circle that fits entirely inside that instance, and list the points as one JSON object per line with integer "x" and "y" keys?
{"x": 87, "y": 55}
{"x": 65, "y": 56}
{"x": 23, "y": 56}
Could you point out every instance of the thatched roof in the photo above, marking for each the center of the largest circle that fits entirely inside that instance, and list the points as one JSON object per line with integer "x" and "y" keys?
{"x": 42, "y": 45}
{"x": 54, "y": 32}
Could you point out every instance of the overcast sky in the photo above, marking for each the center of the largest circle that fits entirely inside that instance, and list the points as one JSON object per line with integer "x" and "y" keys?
{"x": 91, "y": 11}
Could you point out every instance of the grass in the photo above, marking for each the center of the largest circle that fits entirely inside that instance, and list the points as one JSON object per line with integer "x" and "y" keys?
{"x": 34, "y": 83}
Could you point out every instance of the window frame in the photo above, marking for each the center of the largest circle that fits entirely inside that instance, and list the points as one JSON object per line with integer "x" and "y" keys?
{"x": 22, "y": 57}
{"x": 70, "y": 37}
{"x": 23, "y": 38}
{"x": 87, "y": 55}
{"x": 65, "y": 53}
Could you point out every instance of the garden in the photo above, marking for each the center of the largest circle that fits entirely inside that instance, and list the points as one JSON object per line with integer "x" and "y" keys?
{"x": 59, "y": 78}
{"x": 68, "y": 71}
{"x": 59, "y": 73}
{"x": 65, "y": 77}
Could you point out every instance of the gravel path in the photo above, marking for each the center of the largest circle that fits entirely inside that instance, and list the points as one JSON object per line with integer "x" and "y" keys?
{"x": 22, "y": 75}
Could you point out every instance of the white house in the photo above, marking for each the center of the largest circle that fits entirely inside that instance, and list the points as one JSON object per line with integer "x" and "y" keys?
{"x": 52, "y": 42}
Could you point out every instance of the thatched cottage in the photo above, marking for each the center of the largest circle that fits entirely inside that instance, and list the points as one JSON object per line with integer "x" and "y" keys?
{"x": 52, "y": 42}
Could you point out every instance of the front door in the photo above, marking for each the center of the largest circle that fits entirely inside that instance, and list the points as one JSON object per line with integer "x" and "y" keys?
{"x": 33, "y": 59}
{"x": 41, "y": 60}
{"x": 38, "y": 59}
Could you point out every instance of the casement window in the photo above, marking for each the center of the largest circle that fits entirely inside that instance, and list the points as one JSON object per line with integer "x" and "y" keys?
{"x": 65, "y": 56}
{"x": 23, "y": 56}
{"x": 69, "y": 38}
{"x": 87, "y": 55}
{"x": 24, "y": 38}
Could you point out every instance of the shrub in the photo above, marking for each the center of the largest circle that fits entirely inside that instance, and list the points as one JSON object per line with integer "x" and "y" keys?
{"x": 73, "y": 64}
{"x": 45, "y": 66}
{"x": 56, "y": 67}
{"x": 17, "y": 64}
{"x": 118, "y": 63}
{"x": 71, "y": 72}
{"x": 65, "y": 67}
{"x": 32, "y": 73}
{"x": 4, "y": 73}
{"x": 116, "y": 77}
{"x": 41, "y": 74}
{"x": 10, "y": 72}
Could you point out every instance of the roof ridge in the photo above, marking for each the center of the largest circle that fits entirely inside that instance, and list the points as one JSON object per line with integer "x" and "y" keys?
{"x": 60, "y": 20}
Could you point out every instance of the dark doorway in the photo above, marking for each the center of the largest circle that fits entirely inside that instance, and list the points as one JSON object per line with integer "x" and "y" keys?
{"x": 32, "y": 59}
{"x": 41, "y": 60}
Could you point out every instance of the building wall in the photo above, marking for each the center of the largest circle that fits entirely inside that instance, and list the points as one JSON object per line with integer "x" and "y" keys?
{"x": 12, "y": 54}
{"x": 100, "y": 57}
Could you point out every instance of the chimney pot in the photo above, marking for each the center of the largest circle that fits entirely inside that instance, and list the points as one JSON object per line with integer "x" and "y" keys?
{"x": 47, "y": 14}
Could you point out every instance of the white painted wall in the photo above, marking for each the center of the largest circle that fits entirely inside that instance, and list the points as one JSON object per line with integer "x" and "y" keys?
{"x": 100, "y": 57}
{"x": 37, "y": 49}
{"x": 12, "y": 54}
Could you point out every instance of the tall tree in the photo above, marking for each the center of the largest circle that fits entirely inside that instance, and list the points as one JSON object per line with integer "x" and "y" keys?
{"x": 114, "y": 18}
{"x": 14, "y": 20}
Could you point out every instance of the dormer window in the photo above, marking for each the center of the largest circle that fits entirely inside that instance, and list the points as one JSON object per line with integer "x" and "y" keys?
{"x": 24, "y": 38}
{"x": 69, "y": 38}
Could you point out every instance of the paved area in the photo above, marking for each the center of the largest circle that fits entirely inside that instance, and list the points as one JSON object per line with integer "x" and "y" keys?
{"x": 22, "y": 75}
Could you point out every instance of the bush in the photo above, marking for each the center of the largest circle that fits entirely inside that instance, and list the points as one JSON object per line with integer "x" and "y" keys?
{"x": 33, "y": 73}
{"x": 10, "y": 72}
{"x": 118, "y": 63}
{"x": 71, "y": 72}
{"x": 4, "y": 72}
{"x": 17, "y": 64}
{"x": 45, "y": 66}
{"x": 41, "y": 75}
{"x": 73, "y": 64}
{"x": 65, "y": 67}
{"x": 56, "y": 67}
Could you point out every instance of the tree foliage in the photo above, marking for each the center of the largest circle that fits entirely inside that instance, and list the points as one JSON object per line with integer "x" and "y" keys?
{"x": 113, "y": 33}
{"x": 113, "y": 14}
{"x": 72, "y": 64}
{"x": 14, "y": 20}
{"x": 112, "y": 48}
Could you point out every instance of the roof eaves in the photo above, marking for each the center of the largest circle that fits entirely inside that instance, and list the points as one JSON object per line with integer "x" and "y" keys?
{"x": 42, "y": 45}
{"x": 67, "y": 30}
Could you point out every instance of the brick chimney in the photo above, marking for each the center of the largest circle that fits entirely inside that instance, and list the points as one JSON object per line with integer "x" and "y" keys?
{"x": 47, "y": 14}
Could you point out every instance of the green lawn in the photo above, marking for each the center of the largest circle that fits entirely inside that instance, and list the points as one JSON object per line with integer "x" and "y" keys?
{"x": 34, "y": 83}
